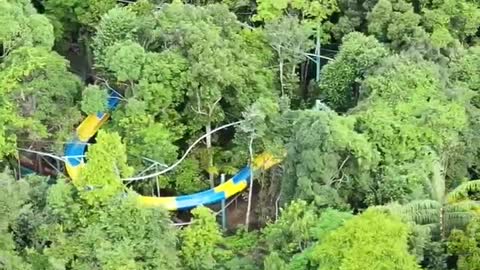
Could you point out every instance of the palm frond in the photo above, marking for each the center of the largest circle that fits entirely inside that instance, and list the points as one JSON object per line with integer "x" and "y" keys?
{"x": 464, "y": 206}
{"x": 422, "y": 211}
{"x": 461, "y": 192}
{"x": 427, "y": 216}
{"x": 457, "y": 220}
{"x": 418, "y": 205}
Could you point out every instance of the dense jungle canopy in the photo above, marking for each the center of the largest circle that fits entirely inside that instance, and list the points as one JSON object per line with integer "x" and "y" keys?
{"x": 372, "y": 106}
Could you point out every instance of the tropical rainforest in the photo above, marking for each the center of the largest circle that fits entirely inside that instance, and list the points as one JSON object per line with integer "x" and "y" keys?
{"x": 372, "y": 108}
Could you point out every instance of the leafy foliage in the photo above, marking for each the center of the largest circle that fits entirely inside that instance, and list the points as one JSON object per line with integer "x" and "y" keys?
{"x": 409, "y": 117}
{"x": 41, "y": 91}
{"x": 340, "y": 79}
{"x": 291, "y": 238}
{"x": 70, "y": 16}
{"x": 466, "y": 246}
{"x": 393, "y": 134}
{"x": 322, "y": 137}
{"x": 318, "y": 10}
{"x": 94, "y": 100}
{"x": 107, "y": 164}
{"x": 22, "y": 26}
{"x": 199, "y": 246}
{"x": 118, "y": 235}
{"x": 370, "y": 240}
{"x": 12, "y": 203}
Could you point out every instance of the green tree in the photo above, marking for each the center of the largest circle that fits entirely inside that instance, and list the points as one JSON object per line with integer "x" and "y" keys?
{"x": 191, "y": 64}
{"x": 116, "y": 235}
{"x": 315, "y": 10}
{"x": 290, "y": 39}
{"x": 443, "y": 210}
{"x": 464, "y": 79}
{"x": 94, "y": 100}
{"x": 449, "y": 20}
{"x": 243, "y": 250}
{"x": 395, "y": 22}
{"x": 341, "y": 78}
{"x": 71, "y": 17}
{"x": 13, "y": 197}
{"x": 32, "y": 79}
{"x": 145, "y": 137}
{"x": 100, "y": 180}
{"x": 323, "y": 155}
{"x": 187, "y": 178}
{"x": 409, "y": 117}
{"x": 243, "y": 76}
{"x": 352, "y": 17}
{"x": 22, "y": 26}
{"x": 42, "y": 91}
{"x": 372, "y": 240}
{"x": 293, "y": 231}
{"x": 125, "y": 59}
{"x": 291, "y": 238}
{"x": 274, "y": 262}
{"x": 200, "y": 241}
{"x": 118, "y": 24}
{"x": 465, "y": 69}
{"x": 466, "y": 245}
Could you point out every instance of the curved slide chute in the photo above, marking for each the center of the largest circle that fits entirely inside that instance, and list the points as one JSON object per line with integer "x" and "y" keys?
{"x": 75, "y": 152}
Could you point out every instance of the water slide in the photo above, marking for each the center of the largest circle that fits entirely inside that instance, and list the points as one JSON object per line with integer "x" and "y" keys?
{"x": 75, "y": 152}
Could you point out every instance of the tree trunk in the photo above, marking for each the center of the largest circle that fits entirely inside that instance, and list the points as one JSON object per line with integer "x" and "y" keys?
{"x": 442, "y": 223}
{"x": 250, "y": 189}
{"x": 208, "y": 142}
{"x": 281, "y": 76}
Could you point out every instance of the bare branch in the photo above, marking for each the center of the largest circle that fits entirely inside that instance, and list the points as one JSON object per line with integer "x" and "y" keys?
{"x": 211, "y": 108}
{"x": 198, "y": 111}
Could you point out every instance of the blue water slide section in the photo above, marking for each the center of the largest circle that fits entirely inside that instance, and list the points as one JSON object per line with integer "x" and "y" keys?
{"x": 242, "y": 175}
{"x": 210, "y": 196}
{"x": 114, "y": 99}
{"x": 74, "y": 152}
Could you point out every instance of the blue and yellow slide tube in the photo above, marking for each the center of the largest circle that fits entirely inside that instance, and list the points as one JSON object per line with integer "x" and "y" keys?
{"x": 75, "y": 152}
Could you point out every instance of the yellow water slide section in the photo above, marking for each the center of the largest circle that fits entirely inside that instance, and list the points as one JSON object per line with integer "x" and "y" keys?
{"x": 90, "y": 126}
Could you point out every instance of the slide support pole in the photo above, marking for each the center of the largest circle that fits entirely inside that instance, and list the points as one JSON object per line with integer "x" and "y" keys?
{"x": 224, "y": 213}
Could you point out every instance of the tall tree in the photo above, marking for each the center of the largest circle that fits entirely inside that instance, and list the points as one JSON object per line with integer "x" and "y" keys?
{"x": 341, "y": 78}
{"x": 32, "y": 79}
{"x": 22, "y": 26}
{"x": 290, "y": 39}
{"x": 395, "y": 22}
{"x": 409, "y": 117}
{"x": 372, "y": 240}
{"x": 324, "y": 155}
{"x": 72, "y": 17}
{"x": 314, "y": 11}
{"x": 42, "y": 91}
{"x": 448, "y": 21}
{"x": 299, "y": 228}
